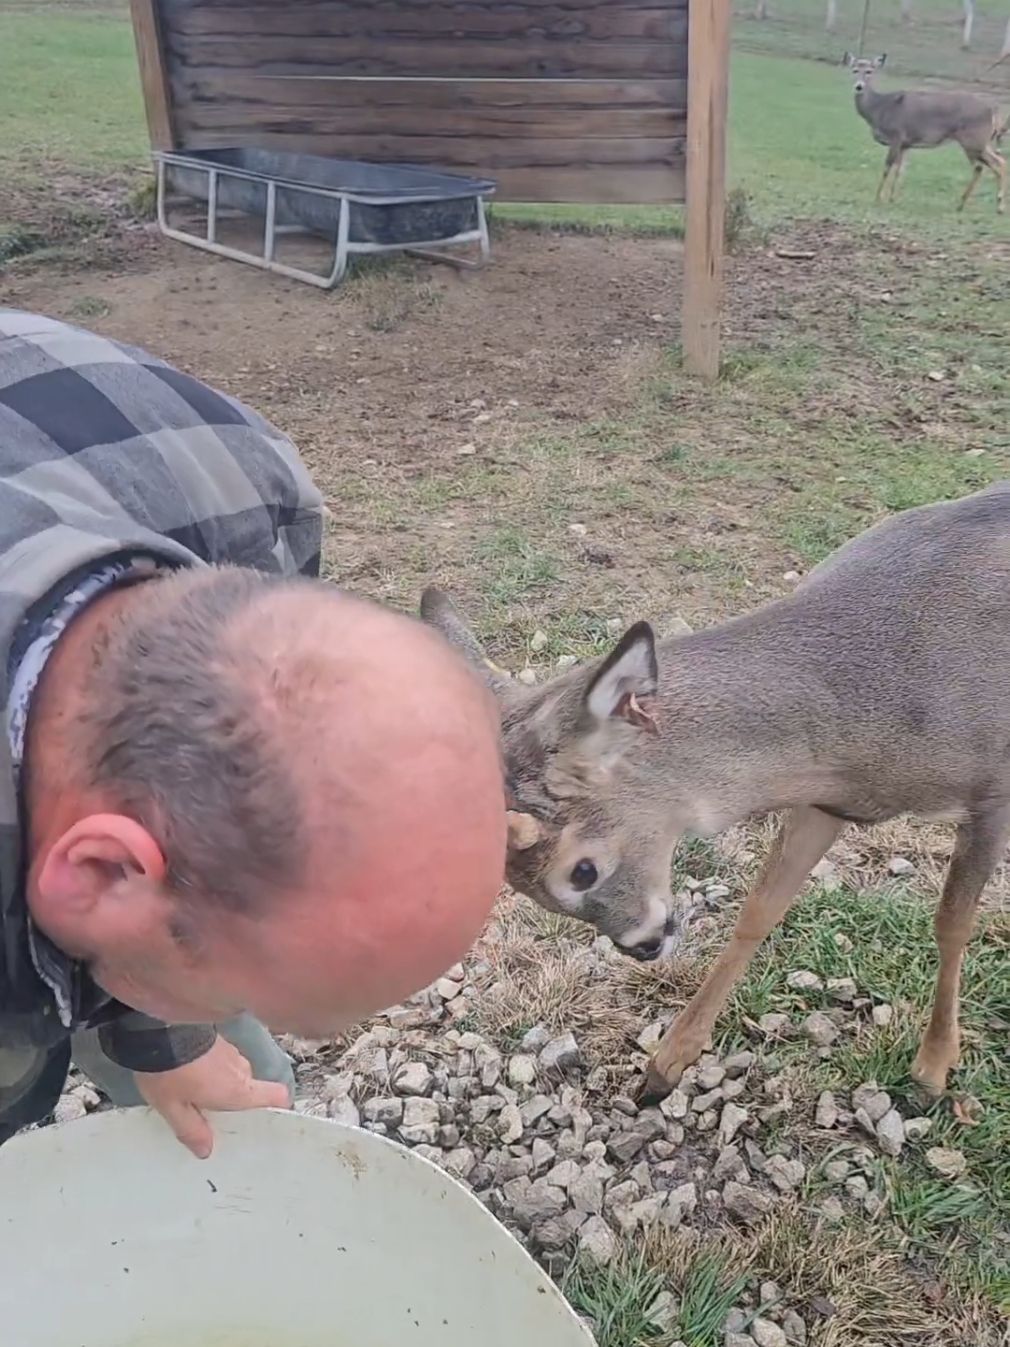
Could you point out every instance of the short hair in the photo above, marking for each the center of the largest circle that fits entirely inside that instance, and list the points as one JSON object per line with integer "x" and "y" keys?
{"x": 179, "y": 736}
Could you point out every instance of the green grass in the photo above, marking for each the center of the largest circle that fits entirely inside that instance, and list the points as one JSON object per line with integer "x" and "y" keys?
{"x": 69, "y": 88}
{"x": 889, "y": 951}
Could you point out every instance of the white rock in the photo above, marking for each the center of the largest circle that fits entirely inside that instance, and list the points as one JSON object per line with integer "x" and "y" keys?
{"x": 916, "y": 1128}
{"x": 650, "y": 1036}
{"x": 773, "y": 1025}
{"x": 738, "y": 1340}
{"x": 794, "y": 1328}
{"x": 767, "y": 1334}
{"x": 580, "y": 530}
{"x": 675, "y": 1105}
{"x": 447, "y": 989}
{"x": 567, "y": 661}
{"x": 538, "y": 642}
{"x": 420, "y": 1121}
{"x": 534, "y": 1039}
{"x": 739, "y": 1064}
{"x": 412, "y": 1078}
{"x": 597, "y": 1242}
{"x": 460, "y": 1162}
{"x": 826, "y": 1114}
{"x": 891, "y": 1133}
{"x": 733, "y": 1118}
{"x": 785, "y": 1174}
{"x": 900, "y": 865}
{"x": 819, "y": 1029}
{"x": 832, "y": 1210}
{"x": 802, "y": 980}
{"x": 747, "y": 1203}
{"x": 681, "y": 1201}
{"x": 510, "y": 1124}
{"x": 825, "y": 872}
{"x": 842, "y": 989}
{"x": 873, "y": 1100}
{"x": 561, "y": 1054}
{"x": 711, "y": 1076}
{"x": 527, "y": 676}
{"x": 522, "y": 1070}
{"x": 68, "y": 1108}
{"x": 344, "y": 1110}
{"x": 948, "y": 1163}
{"x": 882, "y": 1015}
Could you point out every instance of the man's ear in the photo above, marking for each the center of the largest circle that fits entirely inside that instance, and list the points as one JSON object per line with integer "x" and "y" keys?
{"x": 91, "y": 856}
{"x": 625, "y": 684}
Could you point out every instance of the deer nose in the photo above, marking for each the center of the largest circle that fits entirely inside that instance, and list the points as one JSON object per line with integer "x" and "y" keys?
{"x": 646, "y": 950}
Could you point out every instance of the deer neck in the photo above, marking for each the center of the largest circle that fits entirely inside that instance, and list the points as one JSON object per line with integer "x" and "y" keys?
{"x": 744, "y": 721}
{"x": 868, "y": 102}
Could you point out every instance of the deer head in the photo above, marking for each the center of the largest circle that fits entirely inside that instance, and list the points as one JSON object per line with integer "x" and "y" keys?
{"x": 863, "y": 70}
{"x": 589, "y": 833}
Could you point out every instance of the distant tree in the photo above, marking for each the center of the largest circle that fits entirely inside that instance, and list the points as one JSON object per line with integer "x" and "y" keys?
{"x": 1004, "y": 51}
{"x": 907, "y": 10}
{"x": 832, "y": 16}
{"x": 969, "y": 23}
{"x": 761, "y": 9}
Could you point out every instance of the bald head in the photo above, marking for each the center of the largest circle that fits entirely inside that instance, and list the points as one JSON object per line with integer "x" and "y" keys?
{"x": 322, "y": 777}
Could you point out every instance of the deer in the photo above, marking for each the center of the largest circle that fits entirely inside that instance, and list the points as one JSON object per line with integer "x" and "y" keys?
{"x": 878, "y": 687}
{"x": 908, "y": 119}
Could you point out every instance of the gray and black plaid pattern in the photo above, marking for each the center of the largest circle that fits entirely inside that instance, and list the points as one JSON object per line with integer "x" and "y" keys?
{"x": 106, "y": 451}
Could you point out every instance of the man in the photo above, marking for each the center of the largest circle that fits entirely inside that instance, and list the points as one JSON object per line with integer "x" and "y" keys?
{"x": 229, "y": 795}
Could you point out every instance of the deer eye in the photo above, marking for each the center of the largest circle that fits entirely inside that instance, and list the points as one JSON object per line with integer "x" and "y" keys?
{"x": 584, "y": 875}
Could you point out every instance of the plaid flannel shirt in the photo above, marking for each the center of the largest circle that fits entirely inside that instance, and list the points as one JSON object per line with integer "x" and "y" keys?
{"x": 106, "y": 455}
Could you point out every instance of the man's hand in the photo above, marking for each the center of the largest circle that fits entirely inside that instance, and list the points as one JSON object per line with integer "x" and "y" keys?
{"x": 220, "y": 1081}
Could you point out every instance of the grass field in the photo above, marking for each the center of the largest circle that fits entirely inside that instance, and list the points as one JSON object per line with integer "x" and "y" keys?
{"x": 866, "y": 371}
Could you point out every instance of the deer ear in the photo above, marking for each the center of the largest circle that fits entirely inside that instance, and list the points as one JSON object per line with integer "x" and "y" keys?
{"x": 626, "y": 680}
{"x": 438, "y": 611}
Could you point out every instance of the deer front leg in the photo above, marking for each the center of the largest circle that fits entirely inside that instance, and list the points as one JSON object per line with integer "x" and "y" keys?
{"x": 975, "y": 175}
{"x": 802, "y": 840}
{"x": 980, "y": 843}
{"x": 893, "y": 154}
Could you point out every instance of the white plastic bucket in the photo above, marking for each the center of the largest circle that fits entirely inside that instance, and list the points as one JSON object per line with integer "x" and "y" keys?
{"x": 297, "y": 1232}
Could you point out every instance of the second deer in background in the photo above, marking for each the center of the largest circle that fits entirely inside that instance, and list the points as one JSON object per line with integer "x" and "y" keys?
{"x": 907, "y": 119}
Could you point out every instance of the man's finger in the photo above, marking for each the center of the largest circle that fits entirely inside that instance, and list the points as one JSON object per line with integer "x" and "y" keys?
{"x": 191, "y": 1128}
{"x": 264, "y": 1094}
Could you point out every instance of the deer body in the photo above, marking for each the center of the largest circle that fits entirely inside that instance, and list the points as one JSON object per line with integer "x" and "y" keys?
{"x": 880, "y": 687}
{"x": 908, "y": 119}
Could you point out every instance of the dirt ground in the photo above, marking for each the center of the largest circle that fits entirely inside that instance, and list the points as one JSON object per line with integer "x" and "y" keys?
{"x": 409, "y": 369}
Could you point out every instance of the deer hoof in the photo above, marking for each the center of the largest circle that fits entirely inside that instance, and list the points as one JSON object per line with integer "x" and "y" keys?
{"x": 654, "y": 1089}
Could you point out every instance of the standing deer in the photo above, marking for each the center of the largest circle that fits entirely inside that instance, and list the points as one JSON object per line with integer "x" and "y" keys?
{"x": 912, "y": 119}
{"x": 879, "y": 687}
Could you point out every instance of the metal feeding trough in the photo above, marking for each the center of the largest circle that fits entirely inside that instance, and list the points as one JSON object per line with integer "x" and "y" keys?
{"x": 362, "y": 208}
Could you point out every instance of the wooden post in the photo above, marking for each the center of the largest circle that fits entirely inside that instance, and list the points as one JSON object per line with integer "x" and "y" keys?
{"x": 707, "y": 97}
{"x": 153, "y": 73}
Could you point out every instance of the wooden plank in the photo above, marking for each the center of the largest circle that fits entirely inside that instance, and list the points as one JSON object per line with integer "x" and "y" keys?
{"x": 656, "y": 22}
{"x": 489, "y": 155}
{"x": 600, "y": 184}
{"x": 708, "y": 80}
{"x": 479, "y": 108}
{"x": 153, "y": 73}
{"x": 579, "y": 8}
{"x": 532, "y": 58}
{"x": 619, "y": 124}
{"x": 529, "y": 98}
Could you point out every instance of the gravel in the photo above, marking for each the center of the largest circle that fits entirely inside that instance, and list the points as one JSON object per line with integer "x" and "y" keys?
{"x": 556, "y": 1146}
